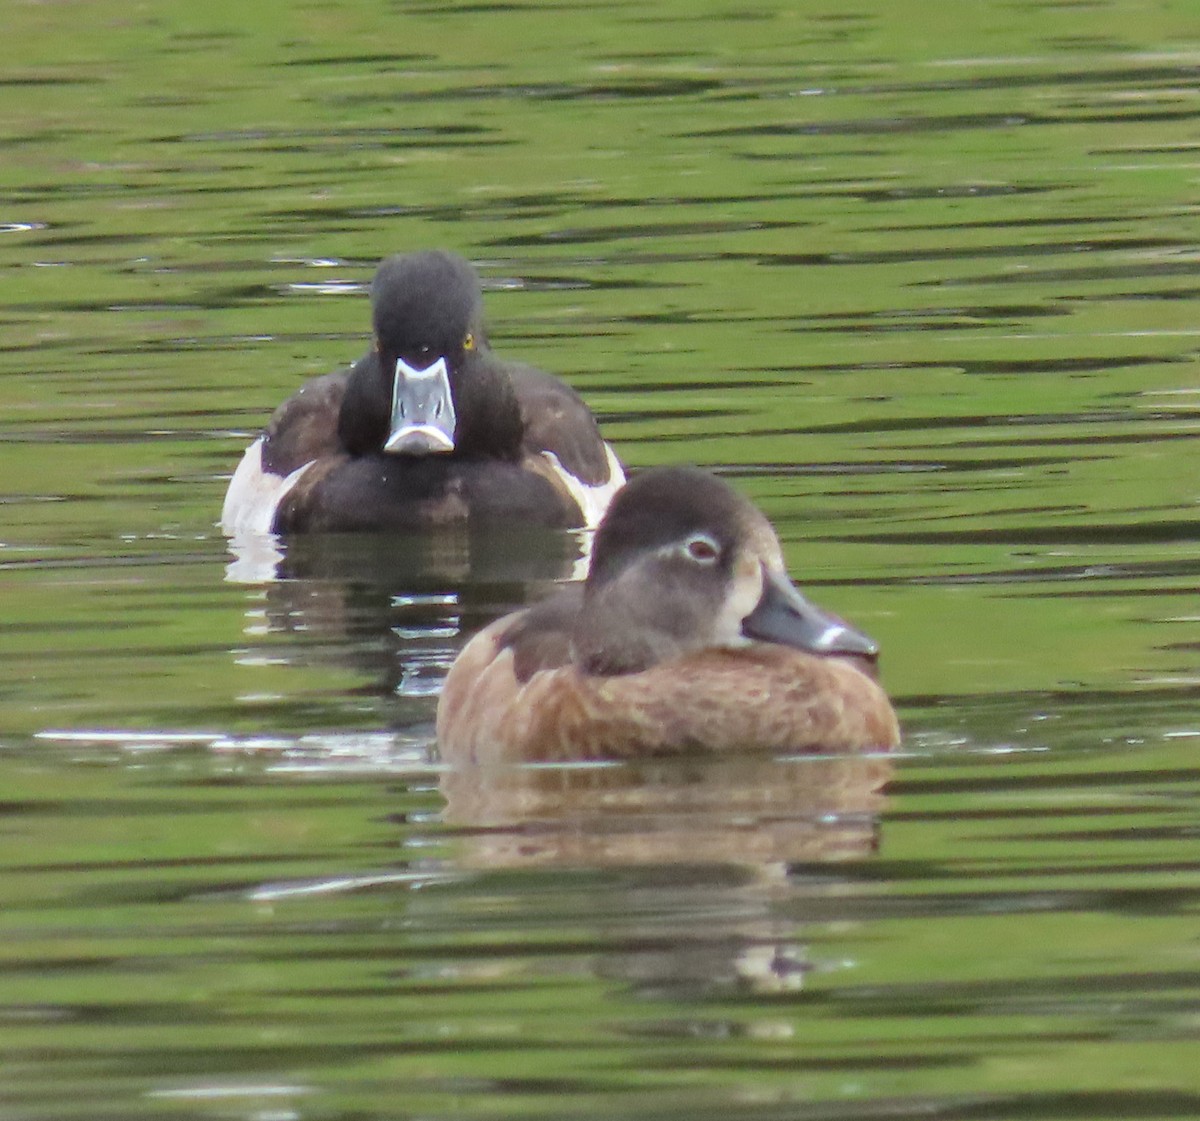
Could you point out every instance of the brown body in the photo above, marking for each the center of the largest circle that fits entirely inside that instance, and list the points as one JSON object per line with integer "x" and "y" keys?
{"x": 762, "y": 695}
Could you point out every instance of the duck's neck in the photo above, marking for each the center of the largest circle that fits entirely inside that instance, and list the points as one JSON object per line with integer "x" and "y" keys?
{"x": 626, "y": 631}
{"x": 364, "y": 416}
{"x": 489, "y": 415}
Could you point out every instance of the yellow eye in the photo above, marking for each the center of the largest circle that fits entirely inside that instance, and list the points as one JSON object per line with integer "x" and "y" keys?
{"x": 469, "y": 342}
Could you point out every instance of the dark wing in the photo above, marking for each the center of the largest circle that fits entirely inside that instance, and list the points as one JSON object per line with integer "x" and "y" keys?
{"x": 305, "y": 426}
{"x": 540, "y": 637}
{"x": 556, "y": 420}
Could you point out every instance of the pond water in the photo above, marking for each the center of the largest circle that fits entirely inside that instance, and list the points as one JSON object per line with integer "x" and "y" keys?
{"x": 919, "y": 278}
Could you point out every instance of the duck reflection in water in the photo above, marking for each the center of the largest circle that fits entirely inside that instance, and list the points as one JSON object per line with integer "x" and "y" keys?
{"x": 750, "y": 811}
{"x": 740, "y": 851}
{"x": 395, "y": 607}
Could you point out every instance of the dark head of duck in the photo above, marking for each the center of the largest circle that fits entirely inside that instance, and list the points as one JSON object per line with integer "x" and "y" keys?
{"x": 430, "y": 385}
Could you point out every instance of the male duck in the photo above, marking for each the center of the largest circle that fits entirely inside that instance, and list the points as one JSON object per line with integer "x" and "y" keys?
{"x": 686, "y": 635}
{"x": 428, "y": 427}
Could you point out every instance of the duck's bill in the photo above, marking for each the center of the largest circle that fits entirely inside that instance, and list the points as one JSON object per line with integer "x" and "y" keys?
{"x": 423, "y": 419}
{"x": 783, "y": 615}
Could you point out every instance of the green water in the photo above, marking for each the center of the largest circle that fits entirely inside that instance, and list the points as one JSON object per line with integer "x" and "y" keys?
{"x": 920, "y": 279}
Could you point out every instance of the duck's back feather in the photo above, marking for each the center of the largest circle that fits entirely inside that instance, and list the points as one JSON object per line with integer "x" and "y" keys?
{"x": 555, "y": 419}
{"x": 540, "y": 637}
{"x": 305, "y": 426}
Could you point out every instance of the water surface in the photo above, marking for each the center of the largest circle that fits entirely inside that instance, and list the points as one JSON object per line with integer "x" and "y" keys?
{"x": 920, "y": 280}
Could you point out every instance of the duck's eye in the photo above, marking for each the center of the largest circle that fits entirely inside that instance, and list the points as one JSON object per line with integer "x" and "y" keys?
{"x": 702, "y": 548}
{"x": 469, "y": 342}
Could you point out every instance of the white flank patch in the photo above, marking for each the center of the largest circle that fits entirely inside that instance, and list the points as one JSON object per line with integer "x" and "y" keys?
{"x": 592, "y": 501}
{"x": 254, "y": 494}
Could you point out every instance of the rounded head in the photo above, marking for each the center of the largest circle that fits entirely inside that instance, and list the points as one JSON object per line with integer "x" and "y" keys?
{"x": 666, "y": 506}
{"x": 425, "y": 305}
{"x": 682, "y": 562}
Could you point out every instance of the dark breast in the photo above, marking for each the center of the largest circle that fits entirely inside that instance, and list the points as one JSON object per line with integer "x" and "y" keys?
{"x": 340, "y": 493}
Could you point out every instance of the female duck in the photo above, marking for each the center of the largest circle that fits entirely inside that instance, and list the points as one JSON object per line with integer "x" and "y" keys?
{"x": 428, "y": 427}
{"x": 686, "y": 635}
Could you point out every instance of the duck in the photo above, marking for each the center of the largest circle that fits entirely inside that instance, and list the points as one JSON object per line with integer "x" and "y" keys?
{"x": 687, "y": 635}
{"x": 428, "y": 428}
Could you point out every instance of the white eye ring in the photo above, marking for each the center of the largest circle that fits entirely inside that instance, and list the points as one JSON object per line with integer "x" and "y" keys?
{"x": 702, "y": 548}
